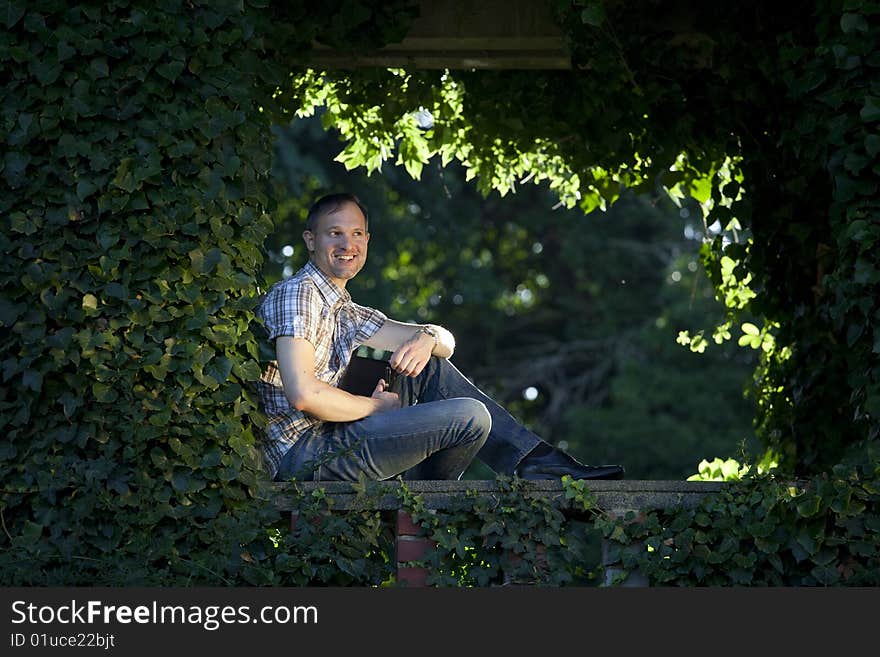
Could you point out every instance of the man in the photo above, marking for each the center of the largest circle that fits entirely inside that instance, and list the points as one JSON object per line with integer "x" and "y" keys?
{"x": 429, "y": 425}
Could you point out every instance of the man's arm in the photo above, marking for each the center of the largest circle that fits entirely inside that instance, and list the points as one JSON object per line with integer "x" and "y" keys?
{"x": 296, "y": 362}
{"x": 411, "y": 348}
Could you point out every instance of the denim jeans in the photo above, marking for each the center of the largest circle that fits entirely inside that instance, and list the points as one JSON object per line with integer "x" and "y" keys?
{"x": 443, "y": 423}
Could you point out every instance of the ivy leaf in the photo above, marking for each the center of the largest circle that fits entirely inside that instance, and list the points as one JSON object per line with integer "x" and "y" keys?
{"x": 70, "y": 403}
{"x": 853, "y": 23}
{"x": 32, "y": 379}
{"x": 99, "y": 68}
{"x": 593, "y": 15}
{"x": 124, "y": 178}
{"x": 170, "y": 70}
{"x": 14, "y": 166}
{"x": 9, "y": 312}
{"x": 218, "y": 369}
{"x": 871, "y": 109}
{"x": 85, "y": 188}
{"x": 65, "y": 51}
{"x": 13, "y": 10}
{"x": 90, "y": 302}
{"x": 203, "y": 263}
{"x": 809, "y": 506}
{"x": 180, "y": 480}
{"x": 116, "y": 291}
{"x": 31, "y": 532}
{"x": 104, "y": 393}
{"x": 46, "y": 71}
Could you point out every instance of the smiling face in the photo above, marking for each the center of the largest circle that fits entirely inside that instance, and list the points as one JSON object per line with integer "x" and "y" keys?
{"x": 338, "y": 244}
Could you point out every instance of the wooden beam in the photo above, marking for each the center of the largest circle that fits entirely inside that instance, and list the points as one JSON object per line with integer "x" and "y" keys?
{"x": 491, "y": 34}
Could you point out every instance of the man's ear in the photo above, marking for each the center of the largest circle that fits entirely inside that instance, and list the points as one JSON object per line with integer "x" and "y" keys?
{"x": 309, "y": 239}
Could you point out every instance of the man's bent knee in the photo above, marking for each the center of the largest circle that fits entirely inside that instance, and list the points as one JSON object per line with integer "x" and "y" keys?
{"x": 473, "y": 415}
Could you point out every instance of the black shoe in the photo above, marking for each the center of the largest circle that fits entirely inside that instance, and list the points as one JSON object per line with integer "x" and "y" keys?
{"x": 557, "y": 464}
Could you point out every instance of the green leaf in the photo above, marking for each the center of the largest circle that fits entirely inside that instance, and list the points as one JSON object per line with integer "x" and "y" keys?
{"x": 871, "y": 109}
{"x": 46, "y": 72}
{"x": 32, "y": 379}
{"x": 13, "y": 10}
{"x": 9, "y": 312}
{"x": 21, "y": 223}
{"x": 203, "y": 263}
{"x": 218, "y": 369}
{"x": 70, "y": 403}
{"x": 594, "y": 15}
{"x": 853, "y": 23}
{"x": 116, "y": 291}
{"x": 180, "y": 480}
{"x": 14, "y": 166}
{"x": 85, "y": 188}
{"x": 855, "y": 231}
{"x": 809, "y": 506}
{"x": 104, "y": 392}
{"x": 170, "y": 70}
{"x": 99, "y": 68}
{"x": 31, "y": 532}
{"x": 65, "y": 51}
{"x": 124, "y": 178}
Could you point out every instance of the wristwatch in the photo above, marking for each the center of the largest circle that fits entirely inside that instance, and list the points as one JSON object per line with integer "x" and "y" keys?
{"x": 427, "y": 330}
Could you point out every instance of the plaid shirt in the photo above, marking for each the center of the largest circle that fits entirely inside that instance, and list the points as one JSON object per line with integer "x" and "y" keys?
{"x": 308, "y": 305}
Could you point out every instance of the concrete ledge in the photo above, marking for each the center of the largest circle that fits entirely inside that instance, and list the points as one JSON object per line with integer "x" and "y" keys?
{"x": 612, "y": 496}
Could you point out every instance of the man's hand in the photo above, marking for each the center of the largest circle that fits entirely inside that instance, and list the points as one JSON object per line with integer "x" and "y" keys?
{"x": 411, "y": 348}
{"x": 388, "y": 401}
{"x": 412, "y": 356}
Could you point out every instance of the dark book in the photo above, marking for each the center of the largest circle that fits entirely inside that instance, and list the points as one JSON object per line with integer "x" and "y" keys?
{"x": 362, "y": 375}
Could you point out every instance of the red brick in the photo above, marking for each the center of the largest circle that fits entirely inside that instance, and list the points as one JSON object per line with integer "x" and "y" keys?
{"x": 406, "y": 526}
{"x": 412, "y": 577}
{"x": 413, "y": 549}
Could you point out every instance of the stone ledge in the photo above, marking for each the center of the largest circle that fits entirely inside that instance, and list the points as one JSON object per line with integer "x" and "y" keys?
{"x": 611, "y": 496}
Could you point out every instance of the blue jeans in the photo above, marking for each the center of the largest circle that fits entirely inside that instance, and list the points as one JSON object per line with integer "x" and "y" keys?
{"x": 443, "y": 423}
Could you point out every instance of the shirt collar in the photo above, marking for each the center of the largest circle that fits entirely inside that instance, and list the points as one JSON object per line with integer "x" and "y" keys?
{"x": 332, "y": 293}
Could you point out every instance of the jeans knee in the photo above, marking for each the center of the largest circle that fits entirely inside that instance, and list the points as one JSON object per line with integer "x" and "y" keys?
{"x": 474, "y": 416}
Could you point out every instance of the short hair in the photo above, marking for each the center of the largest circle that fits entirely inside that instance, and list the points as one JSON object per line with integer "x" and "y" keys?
{"x": 330, "y": 203}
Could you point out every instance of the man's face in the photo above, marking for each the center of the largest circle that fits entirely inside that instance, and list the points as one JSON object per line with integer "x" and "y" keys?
{"x": 338, "y": 246}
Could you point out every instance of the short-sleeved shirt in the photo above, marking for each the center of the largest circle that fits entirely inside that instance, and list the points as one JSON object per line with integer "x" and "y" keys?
{"x": 310, "y": 306}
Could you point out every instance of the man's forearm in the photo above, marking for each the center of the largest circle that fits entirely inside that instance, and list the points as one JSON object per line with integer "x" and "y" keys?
{"x": 325, "y": 402}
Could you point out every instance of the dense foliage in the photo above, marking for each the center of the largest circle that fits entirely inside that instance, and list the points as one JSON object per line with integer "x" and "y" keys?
{"x": 758, "y": 531}
{"x": 134, "y": 205}
{"x": 133, "y": 200}
{"x": 762, "y": 531}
